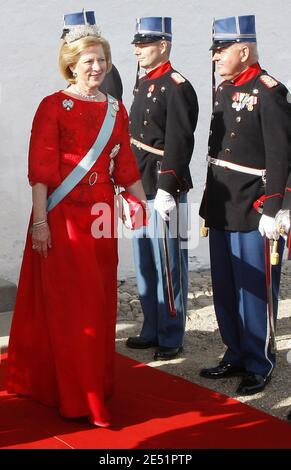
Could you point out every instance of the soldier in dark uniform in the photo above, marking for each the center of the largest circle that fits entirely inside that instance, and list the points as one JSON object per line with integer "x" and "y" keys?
{"x": 249, "y": 148}
{"x": 163, "y": 119}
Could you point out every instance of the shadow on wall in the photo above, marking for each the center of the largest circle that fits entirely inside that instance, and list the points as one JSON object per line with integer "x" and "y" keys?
{"x": 7, "y": 295}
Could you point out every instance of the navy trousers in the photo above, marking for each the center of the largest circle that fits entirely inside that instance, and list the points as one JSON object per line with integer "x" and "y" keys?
{"x": 240, "y": 297}
{"x": 152, "y": 282}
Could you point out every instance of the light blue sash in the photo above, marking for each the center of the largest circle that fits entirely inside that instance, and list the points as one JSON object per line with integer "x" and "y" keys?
{"x": 89, "y": 159}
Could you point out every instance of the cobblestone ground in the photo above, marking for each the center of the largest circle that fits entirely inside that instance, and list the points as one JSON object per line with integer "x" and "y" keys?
{"x": 203, "y": 346}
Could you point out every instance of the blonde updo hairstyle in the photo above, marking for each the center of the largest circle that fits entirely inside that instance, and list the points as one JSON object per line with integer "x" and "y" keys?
{"x": 70, "y": 54}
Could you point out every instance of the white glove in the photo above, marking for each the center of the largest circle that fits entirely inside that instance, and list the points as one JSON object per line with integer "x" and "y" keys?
{"x": 164, "y": 204}
{"x": 282, "y": 220}
{"x": 267, "y": 227}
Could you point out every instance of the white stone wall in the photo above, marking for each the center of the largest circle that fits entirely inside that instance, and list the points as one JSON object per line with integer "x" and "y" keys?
{"x": 30, "y": 32}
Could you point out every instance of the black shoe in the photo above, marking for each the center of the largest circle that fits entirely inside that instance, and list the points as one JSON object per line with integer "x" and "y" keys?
{"x": 166, "y": 354}
{"x": 136, "y": 342}
{"x": 252, "y": 383}
{"x": 221, "y": 371}
{"x": 289, "y": 416}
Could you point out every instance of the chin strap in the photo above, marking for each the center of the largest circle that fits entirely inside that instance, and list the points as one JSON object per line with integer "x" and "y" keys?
{"x": 135, "y": 89}
{"x": 213, "y": 70}
{"x": 204, "y": 230}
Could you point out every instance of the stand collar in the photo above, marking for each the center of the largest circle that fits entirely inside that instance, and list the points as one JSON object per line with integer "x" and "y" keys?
{"x": 159, "y": 71}
{"x": 251, "y": 72}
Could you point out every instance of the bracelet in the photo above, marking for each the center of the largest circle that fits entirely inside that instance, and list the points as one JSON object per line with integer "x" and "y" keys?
{"x": 38, "y": 225}
{"x": 40, "y": 222}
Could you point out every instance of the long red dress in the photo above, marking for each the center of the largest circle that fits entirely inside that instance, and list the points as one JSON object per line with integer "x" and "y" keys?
{"x": 62, "y": 342}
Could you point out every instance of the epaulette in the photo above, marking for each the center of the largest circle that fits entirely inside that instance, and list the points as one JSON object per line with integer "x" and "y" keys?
{"x": 177, "y": 78}
{"x": 269, "y": 81}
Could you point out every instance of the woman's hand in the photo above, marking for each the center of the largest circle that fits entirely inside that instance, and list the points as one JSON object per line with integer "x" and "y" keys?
{"x": 136, "y": 189}
{"x": 40, "y": 231}
{"x": 41, "y": 238}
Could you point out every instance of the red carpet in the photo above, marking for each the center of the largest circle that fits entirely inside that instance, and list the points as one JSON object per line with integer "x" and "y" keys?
{"x": 151, "y": 410}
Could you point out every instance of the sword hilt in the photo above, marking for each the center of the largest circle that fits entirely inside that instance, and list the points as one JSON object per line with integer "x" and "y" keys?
{"x": 275, "y": 255}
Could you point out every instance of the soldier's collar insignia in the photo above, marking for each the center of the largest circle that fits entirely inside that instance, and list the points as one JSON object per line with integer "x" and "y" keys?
{"x": 270, "y": 82}
{"x": 177, "y": 78}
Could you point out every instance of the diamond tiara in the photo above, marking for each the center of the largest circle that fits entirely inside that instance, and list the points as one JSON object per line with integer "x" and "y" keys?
{"x": 80, "y": 31}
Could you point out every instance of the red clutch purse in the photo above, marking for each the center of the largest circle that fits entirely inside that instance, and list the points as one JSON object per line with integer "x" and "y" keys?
{"x": 131, "y": 211}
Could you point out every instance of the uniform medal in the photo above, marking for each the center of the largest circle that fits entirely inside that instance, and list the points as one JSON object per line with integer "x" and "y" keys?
{"x": 151, "y": 90}
{"x": 244, "y": 100}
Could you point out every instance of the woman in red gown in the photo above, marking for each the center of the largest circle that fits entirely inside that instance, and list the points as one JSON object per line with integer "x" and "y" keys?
{"x": 62, "y": 342}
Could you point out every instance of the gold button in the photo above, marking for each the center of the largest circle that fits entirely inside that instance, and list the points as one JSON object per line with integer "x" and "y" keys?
{"x": 238, "y": 119}
{"x": 216, "y": 103}
{"x": 227, "y": 151}
{"x": 232, "y": 134}
{"x": 145, "y": 123}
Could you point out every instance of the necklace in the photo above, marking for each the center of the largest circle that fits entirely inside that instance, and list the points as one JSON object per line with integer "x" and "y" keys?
{"x": 83, "y": 95}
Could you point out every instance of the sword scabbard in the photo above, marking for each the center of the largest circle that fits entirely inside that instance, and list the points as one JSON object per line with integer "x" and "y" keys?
{"x": 269, "y": 290}
{"x": 172, "y": 308}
